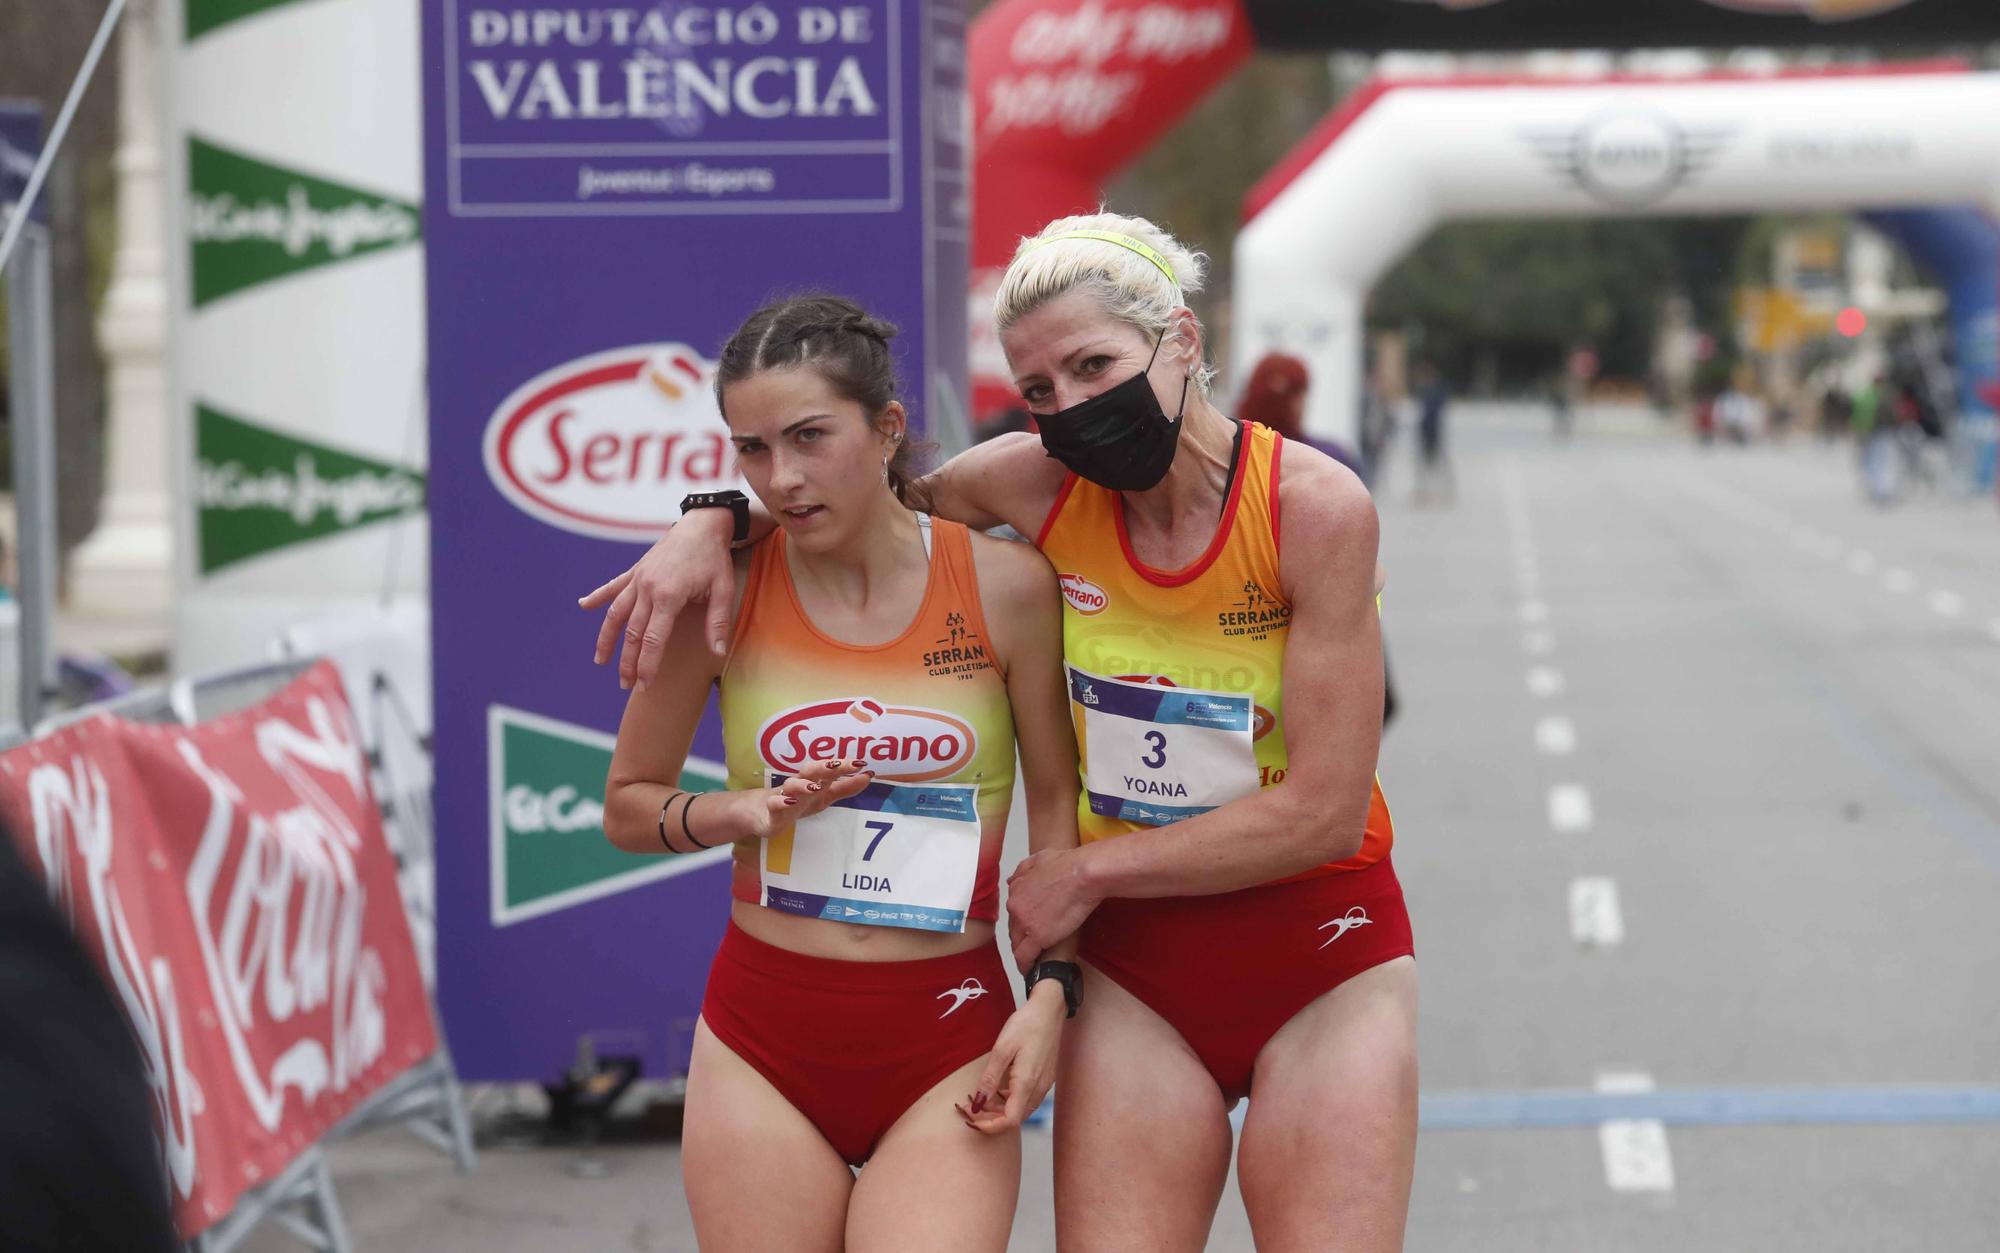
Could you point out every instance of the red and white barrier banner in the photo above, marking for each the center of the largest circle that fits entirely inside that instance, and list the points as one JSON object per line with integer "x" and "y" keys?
{"x": 234, "y": 881}
{"x": 1064, "y": 94}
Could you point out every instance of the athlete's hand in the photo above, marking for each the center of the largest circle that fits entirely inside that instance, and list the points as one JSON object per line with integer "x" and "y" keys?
{"x": 689, "y": 564}
{"x": 816, "y": 785}
{"x": 1046, "y": 902}
{"x": 1022, "y": 1066}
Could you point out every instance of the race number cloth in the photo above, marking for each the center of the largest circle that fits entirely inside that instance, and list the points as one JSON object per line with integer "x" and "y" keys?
{"x": 234, "y": 882}
{"x": 890, "y": 856}
{"x": 1159, "y": 754}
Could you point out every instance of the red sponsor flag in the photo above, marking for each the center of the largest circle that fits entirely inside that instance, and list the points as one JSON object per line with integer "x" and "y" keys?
{"x": 234, "y": 879}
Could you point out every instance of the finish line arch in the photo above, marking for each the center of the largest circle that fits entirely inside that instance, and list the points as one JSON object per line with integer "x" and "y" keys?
{"x": 1401, "y": 157}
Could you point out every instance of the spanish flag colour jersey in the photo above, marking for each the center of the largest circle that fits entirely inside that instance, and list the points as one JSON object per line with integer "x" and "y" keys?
{"x": 1176, "y": 675}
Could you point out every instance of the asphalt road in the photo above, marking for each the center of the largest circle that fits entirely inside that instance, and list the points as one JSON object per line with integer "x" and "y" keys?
{"x": 1697, "y": 789}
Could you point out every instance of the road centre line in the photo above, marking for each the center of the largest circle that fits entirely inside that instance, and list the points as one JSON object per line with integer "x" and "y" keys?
{"x": 1569, "y": 808}
{"x": 1555, "y": 735}
{"x": 1595, "y": 920}
{"x": 1946, "y": 603}
{"x": 1636, "y": 1156}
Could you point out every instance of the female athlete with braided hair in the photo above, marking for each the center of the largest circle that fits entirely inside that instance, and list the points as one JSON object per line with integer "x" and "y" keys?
{"x": 881, "y": 668}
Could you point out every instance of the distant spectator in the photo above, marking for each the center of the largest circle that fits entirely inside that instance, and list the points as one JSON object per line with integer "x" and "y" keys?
{"x": 1435, "y": 482}
{"x": 1276, "y": 396}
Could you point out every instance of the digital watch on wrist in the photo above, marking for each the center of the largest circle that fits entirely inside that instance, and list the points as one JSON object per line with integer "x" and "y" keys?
{"x": 736, "y": 502}
{"x": 1068, "y": 974}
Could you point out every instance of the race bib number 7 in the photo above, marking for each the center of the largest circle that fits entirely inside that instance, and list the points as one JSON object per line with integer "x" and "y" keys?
{"x": 893, "y": 855}
{"x": 1159, "y": 754}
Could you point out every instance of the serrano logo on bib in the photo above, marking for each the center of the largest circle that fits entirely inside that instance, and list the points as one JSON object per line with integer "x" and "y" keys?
{"x": 898, "y": 742}
{"x": 1085, "y": 597}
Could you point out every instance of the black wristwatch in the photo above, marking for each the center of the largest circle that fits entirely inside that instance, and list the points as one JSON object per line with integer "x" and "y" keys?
{"x": 1069, "y": 974}
{"x": 736, "y": 502}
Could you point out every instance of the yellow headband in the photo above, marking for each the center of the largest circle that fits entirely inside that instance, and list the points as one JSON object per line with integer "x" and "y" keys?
{"x": 1123, "y": 241}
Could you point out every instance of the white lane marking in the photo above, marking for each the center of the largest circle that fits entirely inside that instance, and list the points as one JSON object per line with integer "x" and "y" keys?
{"x": 1899, "y": 581}
{"x": 1594, "y": 917}
{"x": 1950, "y": 604}
{"x": 1861, "y": 562}
{"x": 1636, "y": 1156}
{"x": 1546, "y": 681}
{"x": 1538, "y": 643}
{"x": 1569, "y": 807}
{"x": 1521, "y": 536}
{"x": 1555, "y": 735}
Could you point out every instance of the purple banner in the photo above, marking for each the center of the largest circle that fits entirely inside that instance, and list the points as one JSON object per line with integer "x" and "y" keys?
{"x": 676, "y": 108}
{"x": 611, "y": 189}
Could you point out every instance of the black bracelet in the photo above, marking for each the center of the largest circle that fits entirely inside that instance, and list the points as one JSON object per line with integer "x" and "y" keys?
{"x": 684, "y": 822}
{"x": 663, "y": 824}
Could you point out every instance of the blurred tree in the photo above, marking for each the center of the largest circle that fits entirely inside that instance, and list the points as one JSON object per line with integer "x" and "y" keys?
{"x": 40, "y": 54}
{"x": 1523, "y": 292}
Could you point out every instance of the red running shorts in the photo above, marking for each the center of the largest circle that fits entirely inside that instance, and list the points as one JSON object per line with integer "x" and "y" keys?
{"x": 1228, "y": 971}
{"x": 853, "y": 1044}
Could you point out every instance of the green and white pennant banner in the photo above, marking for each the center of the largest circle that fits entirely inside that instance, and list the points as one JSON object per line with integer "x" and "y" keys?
{"x": 258, "y": 490}
{"x": 249, "y": 222}
{"x": 204, "y": 16}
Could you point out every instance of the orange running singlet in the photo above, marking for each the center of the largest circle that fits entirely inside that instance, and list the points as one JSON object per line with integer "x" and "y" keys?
{"x": 1176, "y": 675}
{"x": 928, "y": 711}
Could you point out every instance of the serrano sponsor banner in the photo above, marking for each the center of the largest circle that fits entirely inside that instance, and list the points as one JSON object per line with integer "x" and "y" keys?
{"x": 610, "y": 189}
{"x": 234, "y": 882}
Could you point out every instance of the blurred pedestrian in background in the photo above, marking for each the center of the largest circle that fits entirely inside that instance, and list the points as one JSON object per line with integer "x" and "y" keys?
{"x": 1435, "y": 484}
{"x": 1275, "y": 395}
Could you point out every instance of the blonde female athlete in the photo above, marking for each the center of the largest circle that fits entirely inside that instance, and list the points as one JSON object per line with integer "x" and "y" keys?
{"x": 1245, "y": 931}
{"x": 880, "y": 670}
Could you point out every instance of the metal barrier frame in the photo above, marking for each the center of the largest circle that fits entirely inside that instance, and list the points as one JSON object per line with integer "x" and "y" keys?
{"x": 426, "y": 1099}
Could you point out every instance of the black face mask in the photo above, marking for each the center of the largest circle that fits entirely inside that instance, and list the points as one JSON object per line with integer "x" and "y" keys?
{"x": 1120, "y": 438}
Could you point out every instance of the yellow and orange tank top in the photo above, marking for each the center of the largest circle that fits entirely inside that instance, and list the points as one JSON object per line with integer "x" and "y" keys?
{"x": 1182, "y": 663}
{"x": 928, "y": 706}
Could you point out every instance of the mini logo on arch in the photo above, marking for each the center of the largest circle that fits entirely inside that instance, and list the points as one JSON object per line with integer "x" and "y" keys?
{"x": 1085, "y": 597}
{"x": 901, "y": 743}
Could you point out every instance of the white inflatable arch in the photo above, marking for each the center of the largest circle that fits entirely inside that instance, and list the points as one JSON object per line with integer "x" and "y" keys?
{"x": 1399, "y": 158}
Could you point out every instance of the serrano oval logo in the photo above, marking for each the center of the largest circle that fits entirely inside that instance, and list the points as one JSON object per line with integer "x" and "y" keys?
{"x": 606, "y": 445}
{"x": 900, "y": 743}
{"x": 1085, "y": 597}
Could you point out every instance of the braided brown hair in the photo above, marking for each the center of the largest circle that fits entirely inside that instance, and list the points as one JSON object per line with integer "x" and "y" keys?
{"x": 848, "y": 347}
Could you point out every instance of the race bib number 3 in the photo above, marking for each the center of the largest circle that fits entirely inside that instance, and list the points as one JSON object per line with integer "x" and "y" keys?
{"x": 893, "y": 855}
{"x": 1159, "y": 754}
